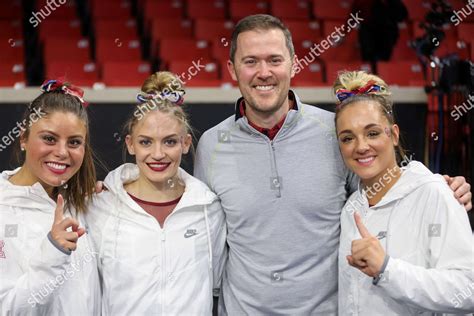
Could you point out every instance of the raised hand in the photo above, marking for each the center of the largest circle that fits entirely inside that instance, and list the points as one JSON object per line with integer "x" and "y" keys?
{"x": 64, "y": 238}
{"x": 367, "y": 253}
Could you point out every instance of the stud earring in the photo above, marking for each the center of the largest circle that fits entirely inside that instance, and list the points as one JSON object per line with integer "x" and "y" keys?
{"x": 22, "y": 148}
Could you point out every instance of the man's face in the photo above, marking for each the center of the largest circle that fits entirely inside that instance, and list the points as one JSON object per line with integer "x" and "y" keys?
{"x": 263, "y": 68}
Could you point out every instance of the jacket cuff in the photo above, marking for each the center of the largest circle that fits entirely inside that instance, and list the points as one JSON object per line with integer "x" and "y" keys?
{"x": 58, "y": 246}
{"x": 376, "y": 279}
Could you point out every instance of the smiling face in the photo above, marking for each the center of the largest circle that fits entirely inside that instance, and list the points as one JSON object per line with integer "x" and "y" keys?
{"x": 54, "y": 149}
{"x": 158, "y": 141}
{"x": 263, "y": 68}
{"x": 367, "y": 140}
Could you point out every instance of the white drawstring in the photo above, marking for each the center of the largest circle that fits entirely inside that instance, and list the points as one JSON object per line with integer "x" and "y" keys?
{"x": 209, "y": 243}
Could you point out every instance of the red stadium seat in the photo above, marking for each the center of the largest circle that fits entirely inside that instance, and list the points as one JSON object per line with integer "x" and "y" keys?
{"x": 211, "y": 30}
{"x": 240, "y": 8}
{"x": 185, "y": 50}
{"x": 336, "y": 10}
{"x": 472, "y": 49}
{"x": 221, "y": 49}
{"x": 12, "y": 74}
{"x": 124, "y": 30}
{"x": 204, "y": 77}
{"x": 11, "y": 10}
{"x": 171, "y": 28}
{"x": 333, "y": 68}
{"x": 110, "y": 9}
{"x": 466, "y": 31}
{"x": 62, "y": 49}
{"x": 291, "y": 9}
{"x": 163, "y": 9}
{"x": 401, "y": 73}
{"x": 12, "y": 50}
{"x": 125, "y": 74}
{"x": 110, "y": 49}
{"x": 11, "y": 29}
{"x": 46, "y": 10}
{"x": 81, "y": 74}
{"x": 417, "y": 9}
{"x": 199, "y": 9}
{"x": 60, "y": 29}
{"x": 448, "y": 47}
{"x": 403, "y": 50}
{"x": 334, "y": 28}
{"x": 346, "y": 50}
{"x": 304, "y": 30}
{"x": 308, "y": 75}
{"x": 303, "y": 48}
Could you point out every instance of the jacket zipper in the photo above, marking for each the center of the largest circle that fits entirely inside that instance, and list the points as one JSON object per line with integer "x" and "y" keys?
{"x": 163, "y": 271}
{"x": 276, "y": 181}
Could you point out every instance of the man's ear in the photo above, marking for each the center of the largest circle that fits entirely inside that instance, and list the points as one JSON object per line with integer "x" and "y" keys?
{"x": 294, "y": 65}
{"x": 129, "y": 143}
{"x": 231, "y": 69}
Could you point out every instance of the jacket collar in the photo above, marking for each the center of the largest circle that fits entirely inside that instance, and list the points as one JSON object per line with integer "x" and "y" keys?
{"x": 195, "y": 192}
{"x": 291, "y": 117}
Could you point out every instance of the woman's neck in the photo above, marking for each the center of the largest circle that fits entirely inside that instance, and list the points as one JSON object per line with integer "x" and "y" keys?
{"x": 146, "y": 190}
{"x": 25, "y": 178}
{"x": 376, "y": 190}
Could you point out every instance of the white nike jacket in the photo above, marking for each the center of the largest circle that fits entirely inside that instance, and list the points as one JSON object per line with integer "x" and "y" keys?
{"x": 36, "y": 278}
{"x": 149, "y": 270}
{"x": 426, "y": 233}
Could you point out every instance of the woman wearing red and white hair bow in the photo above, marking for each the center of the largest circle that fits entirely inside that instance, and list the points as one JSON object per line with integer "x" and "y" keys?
{"x": 47, "y": 264}
{"x": 406, "y": 244}
{"x": 159, "y": 231}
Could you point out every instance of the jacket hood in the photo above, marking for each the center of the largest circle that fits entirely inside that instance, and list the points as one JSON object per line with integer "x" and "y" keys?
{"x": 33, "y": 196}
{"x": 195, "y": 193}
{"x": 414, "y": 175}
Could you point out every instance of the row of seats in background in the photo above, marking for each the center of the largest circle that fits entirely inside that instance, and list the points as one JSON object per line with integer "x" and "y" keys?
{"x": 118, "y": 43}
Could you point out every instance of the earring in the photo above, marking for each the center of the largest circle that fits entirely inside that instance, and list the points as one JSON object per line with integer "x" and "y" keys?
{"x": 22, "y": 148}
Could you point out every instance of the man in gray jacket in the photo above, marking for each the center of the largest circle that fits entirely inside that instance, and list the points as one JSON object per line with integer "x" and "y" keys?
{"x": 277, "y": 169}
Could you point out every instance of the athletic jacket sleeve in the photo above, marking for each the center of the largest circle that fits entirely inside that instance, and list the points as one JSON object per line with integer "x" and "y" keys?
{"x": 219, "y": 246}
{"x": 448, "y": 284}
{"x": 202, "y": 161}
{"x": 26, "y": 287}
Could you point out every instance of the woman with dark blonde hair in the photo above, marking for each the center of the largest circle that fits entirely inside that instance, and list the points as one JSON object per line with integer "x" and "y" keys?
{"x": 47, "y": 263}
{"x": 406, "y": 244}
{"x": 159, "y": 231}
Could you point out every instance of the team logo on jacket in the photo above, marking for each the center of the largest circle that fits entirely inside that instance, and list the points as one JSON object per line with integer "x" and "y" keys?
{"x": 190, "y": 233}
{"x": 11, "y": 230}
{"x": 2, "y": 253}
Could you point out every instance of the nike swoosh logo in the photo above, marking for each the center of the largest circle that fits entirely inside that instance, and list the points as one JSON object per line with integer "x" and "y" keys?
{"x": 190, "y": 233}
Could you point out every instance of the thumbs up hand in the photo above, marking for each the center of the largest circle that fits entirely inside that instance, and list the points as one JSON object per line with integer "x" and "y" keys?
{"x": 60, "y": 234}
{"x": 367, "y": 253}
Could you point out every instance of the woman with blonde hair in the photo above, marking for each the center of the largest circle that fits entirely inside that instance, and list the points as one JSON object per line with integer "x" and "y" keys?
{"x": 406, "y": 244}
{"x": 159, "y": 231}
